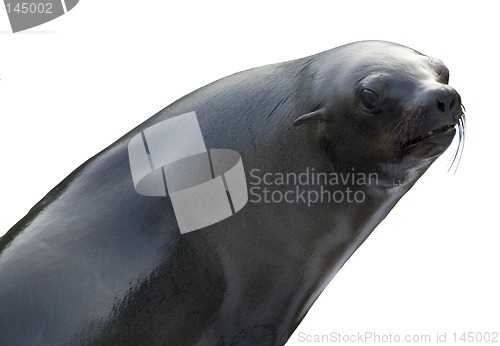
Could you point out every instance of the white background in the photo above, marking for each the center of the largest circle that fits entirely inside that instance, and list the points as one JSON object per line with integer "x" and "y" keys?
{"x": 72, "y": 86}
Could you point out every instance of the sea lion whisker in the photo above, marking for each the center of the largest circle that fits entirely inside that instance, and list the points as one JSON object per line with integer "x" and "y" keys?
{"x": 461, "y": 127}
{"x": 400, "y": 128}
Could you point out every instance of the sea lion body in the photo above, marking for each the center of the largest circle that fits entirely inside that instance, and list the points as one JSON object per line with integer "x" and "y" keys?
{"x": 94, "y": 262}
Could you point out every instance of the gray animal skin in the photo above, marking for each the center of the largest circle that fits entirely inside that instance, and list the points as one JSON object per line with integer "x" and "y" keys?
{"x": 96, "y": 263}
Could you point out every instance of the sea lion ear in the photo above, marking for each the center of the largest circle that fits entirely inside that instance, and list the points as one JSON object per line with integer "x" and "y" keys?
{"x": 316, "y": 116}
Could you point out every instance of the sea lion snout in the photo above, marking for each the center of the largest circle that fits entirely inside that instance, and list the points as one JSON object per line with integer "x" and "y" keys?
{"x": 438, "y": 114}
{"x": 444, "y": 102}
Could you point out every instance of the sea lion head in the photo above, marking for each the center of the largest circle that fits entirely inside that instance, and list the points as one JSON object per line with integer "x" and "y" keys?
{"x": 384, "y": 108}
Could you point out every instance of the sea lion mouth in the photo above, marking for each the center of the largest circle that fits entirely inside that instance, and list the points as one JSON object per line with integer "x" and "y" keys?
{"x": 436, "y": 141}
{"x": 431, "y": 143}
{"x": 430, "y": 135}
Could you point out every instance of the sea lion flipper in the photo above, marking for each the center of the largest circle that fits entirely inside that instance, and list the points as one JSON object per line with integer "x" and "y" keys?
{"x": 317, "y": 115}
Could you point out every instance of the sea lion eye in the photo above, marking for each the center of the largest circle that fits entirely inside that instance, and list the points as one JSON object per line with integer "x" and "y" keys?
{"x": 369, "y": 99}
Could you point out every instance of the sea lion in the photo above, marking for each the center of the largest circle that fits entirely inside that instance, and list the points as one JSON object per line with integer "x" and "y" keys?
{"x": 349, "y": 131}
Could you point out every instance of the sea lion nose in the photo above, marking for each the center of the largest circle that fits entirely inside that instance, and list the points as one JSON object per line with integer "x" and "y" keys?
{"x": 447, "y": 102}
